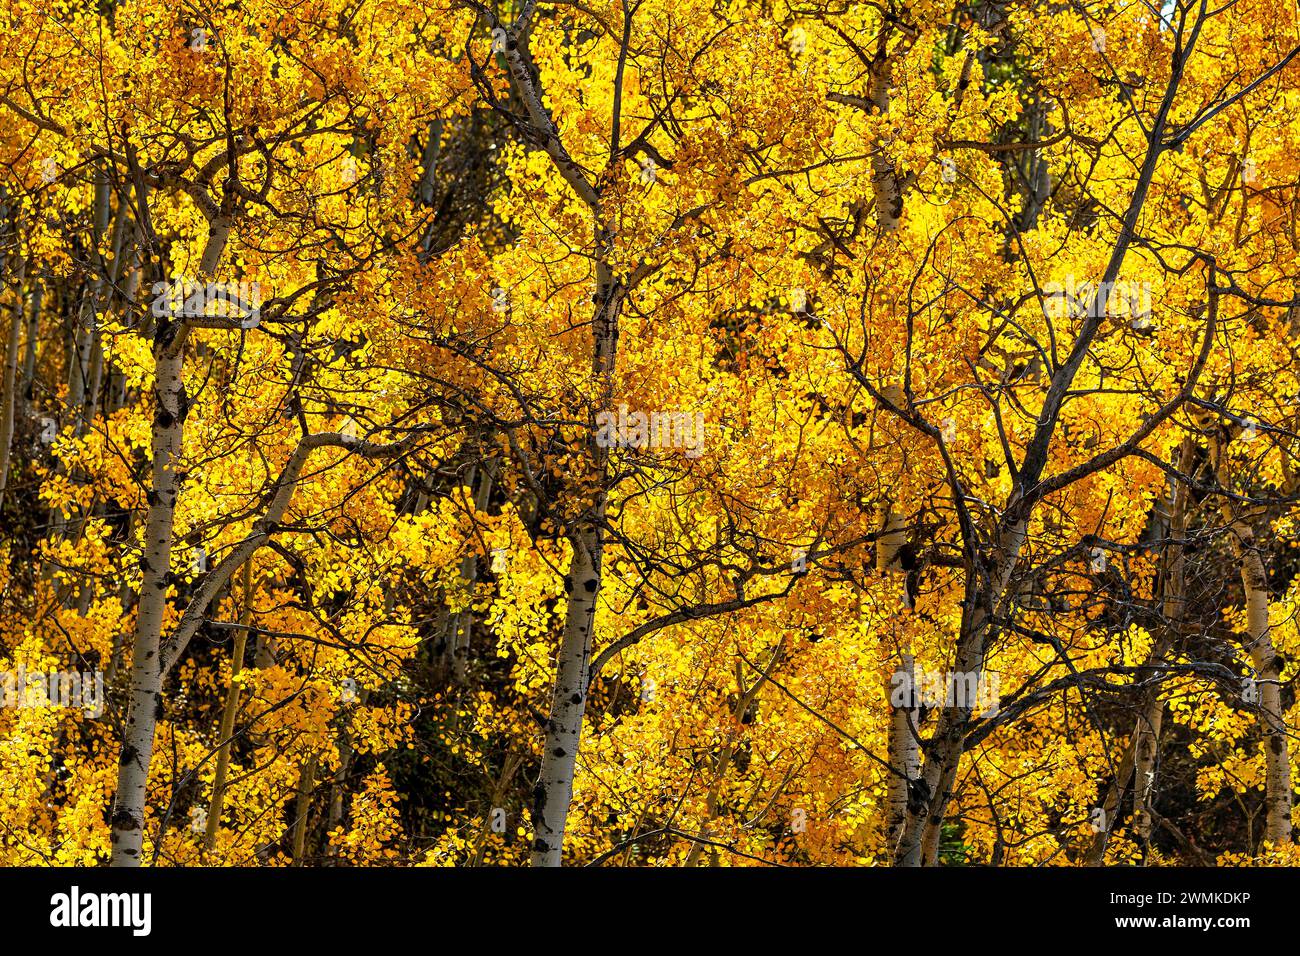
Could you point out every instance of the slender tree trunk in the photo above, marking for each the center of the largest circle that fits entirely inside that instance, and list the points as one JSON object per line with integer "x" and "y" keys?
{"x": 145, "y": 704}
{"x": 554, "y": 789}
{"x": 301, "y": 809}
{"x": 29, "y": 348}
{"x": 903, "y": 747}
{"x": 1114, "y": 795}
{"x": 511, "y": 764}
{"x": 1144, "y": 767}
{"x": 745, "y": 698}
{"x": 153, "y": 660}
{"x": 229, "y": 712}
{"x": 85, "y": 356}
{"x": 78, "y": 367}
{"x": 1268, "y": 670}
{"x": 1267, "y": 662}
{"x": 98, "y": 304}
{"x": 1143, "y": 746}
{"x": 94, "y": 382}
{"x": 884, "y": 177}
{"x": 334, "y": 816}
{"x": 9, "y": 387}
{"x": 987, "y": 580}
{"x": 460, "y": 629}
{"x": 923, "y": 829}
{"x": 904, "y": 758}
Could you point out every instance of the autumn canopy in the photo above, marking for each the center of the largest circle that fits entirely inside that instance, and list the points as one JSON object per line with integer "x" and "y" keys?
{"x": 649, "y": 432}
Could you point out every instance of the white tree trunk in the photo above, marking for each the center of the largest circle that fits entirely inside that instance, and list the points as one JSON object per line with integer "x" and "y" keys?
{"x": 1267, "y": 663}
{"x": 554, "y": 788}
{"x": 145, "y": 702}
{"x": 986, "y": 586}
{"x": 884, "y": 177}
{"x": 904, "y": 758}
{"x": 1144, "y": 767}
{"x": 1268, "y": 669}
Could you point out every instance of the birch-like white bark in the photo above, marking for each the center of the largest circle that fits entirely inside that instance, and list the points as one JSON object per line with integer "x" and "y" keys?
{"x": 1144, "y": 767}
{"x": 885, "y": 187}
{"x": 153, "y": 659}
{"x": 145, "y": 703}
{"x": 1263, "y": 654}
{"x": 1268, "y": 675}
{"x": 904, "y": 758}
{"x": 554, "y": 790}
